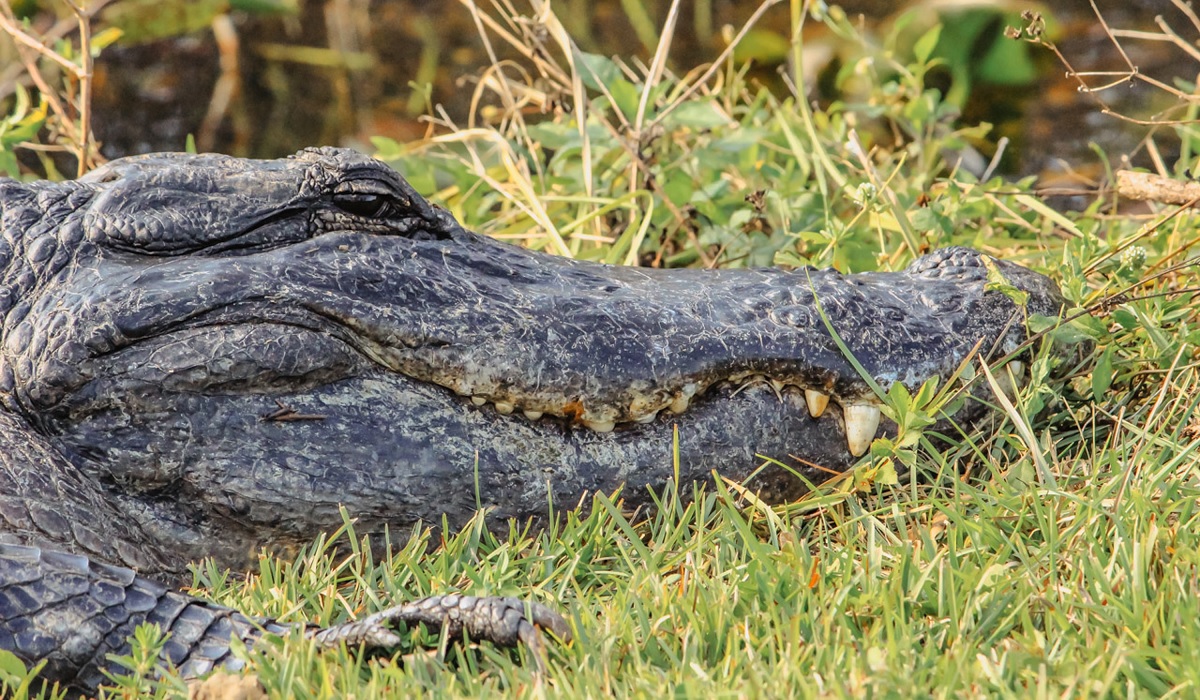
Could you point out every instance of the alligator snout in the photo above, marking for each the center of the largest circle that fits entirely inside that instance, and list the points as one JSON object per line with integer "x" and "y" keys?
{"x": 611, "y": 348}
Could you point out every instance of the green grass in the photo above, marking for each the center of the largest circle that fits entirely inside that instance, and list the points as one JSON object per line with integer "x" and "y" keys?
{"x": 1055, "y": 552}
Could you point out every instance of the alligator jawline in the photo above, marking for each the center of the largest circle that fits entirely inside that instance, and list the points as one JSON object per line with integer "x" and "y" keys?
{"x": 574, "y": 410}
{"x": 571, "y": 412}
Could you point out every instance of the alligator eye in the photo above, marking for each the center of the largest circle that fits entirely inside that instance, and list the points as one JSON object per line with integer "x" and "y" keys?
{"x": 368, "y": 206}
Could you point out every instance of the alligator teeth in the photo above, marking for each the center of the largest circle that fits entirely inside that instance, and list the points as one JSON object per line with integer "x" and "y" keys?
{"x": 776, "y": 386}
{"x": 747, "y": 382}
{"x": 532, "y": 415}
{"x": 600, "y": 426}
{"x": 683, "y": 399}
{"x": 648, "y": 418}
{"x": 478, "y": 400}
{"x": 862, "y": 421}
{"x": 816, "y": 402}
{"x": 504, "y": 407}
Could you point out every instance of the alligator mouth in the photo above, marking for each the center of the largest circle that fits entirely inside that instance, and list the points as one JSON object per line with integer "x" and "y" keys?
{"x": 713, "y": 331}
{"x": 861, "y": 419}
{"x": 524, "y": 335}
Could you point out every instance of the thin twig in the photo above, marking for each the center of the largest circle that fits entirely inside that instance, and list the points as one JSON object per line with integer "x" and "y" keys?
{"x": 85, "y": 87}
{"x": 1034, "y": 32}
{"x": 77, "y": 134}
{"x": 716, "y": 65}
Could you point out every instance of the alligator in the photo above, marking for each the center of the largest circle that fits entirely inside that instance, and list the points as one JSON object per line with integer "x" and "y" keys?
{"x": 206, "y": 356}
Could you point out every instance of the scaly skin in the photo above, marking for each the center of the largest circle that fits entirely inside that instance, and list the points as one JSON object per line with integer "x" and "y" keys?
{"x": 73, "y": 613}
{"x": 206, "y": 356}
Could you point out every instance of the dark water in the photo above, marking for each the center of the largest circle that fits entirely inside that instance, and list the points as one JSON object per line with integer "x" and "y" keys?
{"x": 357, "y": 81}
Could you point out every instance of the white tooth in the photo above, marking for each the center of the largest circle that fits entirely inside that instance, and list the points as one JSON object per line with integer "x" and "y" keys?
{"x": 777, "y": 386}
{"x": 641, "y": 404}
{"x": 600, "y": 426}
{"x": 684, "y": 398}
{"x": 816, "y": 402}
{"x": 532, "y": 415}
{"x": 862, "y": 421}
{"x": 648, "y": 418}
{"x": 504, "y": 407}
{"x": 478, "y": 400}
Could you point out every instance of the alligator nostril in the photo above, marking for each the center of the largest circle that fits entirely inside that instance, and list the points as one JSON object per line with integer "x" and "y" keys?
{"x": 793, "y": 316}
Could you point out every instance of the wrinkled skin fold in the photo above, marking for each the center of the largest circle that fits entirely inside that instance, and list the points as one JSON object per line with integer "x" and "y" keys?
{"x": 205, "y": 356}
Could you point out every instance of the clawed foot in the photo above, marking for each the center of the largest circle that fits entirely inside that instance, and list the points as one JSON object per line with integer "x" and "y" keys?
{"x": 503, "y": 621}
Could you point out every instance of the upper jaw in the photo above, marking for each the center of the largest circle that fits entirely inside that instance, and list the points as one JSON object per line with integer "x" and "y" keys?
{"x": 607, "y": 346}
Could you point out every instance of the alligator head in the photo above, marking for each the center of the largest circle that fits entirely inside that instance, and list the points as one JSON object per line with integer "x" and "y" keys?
{"x": 233, "y": 348}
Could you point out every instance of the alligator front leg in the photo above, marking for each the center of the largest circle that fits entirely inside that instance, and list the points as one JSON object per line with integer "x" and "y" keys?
{"x": 500, "y": 620}
{"x": 73, "y": 613}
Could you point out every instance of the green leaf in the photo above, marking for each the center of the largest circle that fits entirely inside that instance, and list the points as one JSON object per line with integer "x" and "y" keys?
{"x": 762, "y": 46}
{"x": 998, "y": 282}
{"x": 923, "y": 219}
{"x": 22, "y": 123}
{"x": 1126, "y": 318}
{"x": 739, "y": 140}
{"x": 625, "y": 96}
{"x": 1077, "y": 330}
{"x": 10, "y": 665}
{"x": 698, "y": 115}
{"x": 1007, "y": 63}
{"x": 678, "y": 189}
{"x": 266, "y": 7}
{"x": 15, "y": 678}
{"x": 595, "y": 70}
{"x": 388, "y": 148}
{"x": 149, "y": 20}
{"x": 923, "y": 49}
{"x": 1102, "y": 375}
{"x": 886, "y": 473}
{"x": 554, "y": 135}
{"x": 105, "y": 38}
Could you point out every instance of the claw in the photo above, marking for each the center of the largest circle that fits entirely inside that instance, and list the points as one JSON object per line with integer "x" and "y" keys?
{"x": 503, "y": 621}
